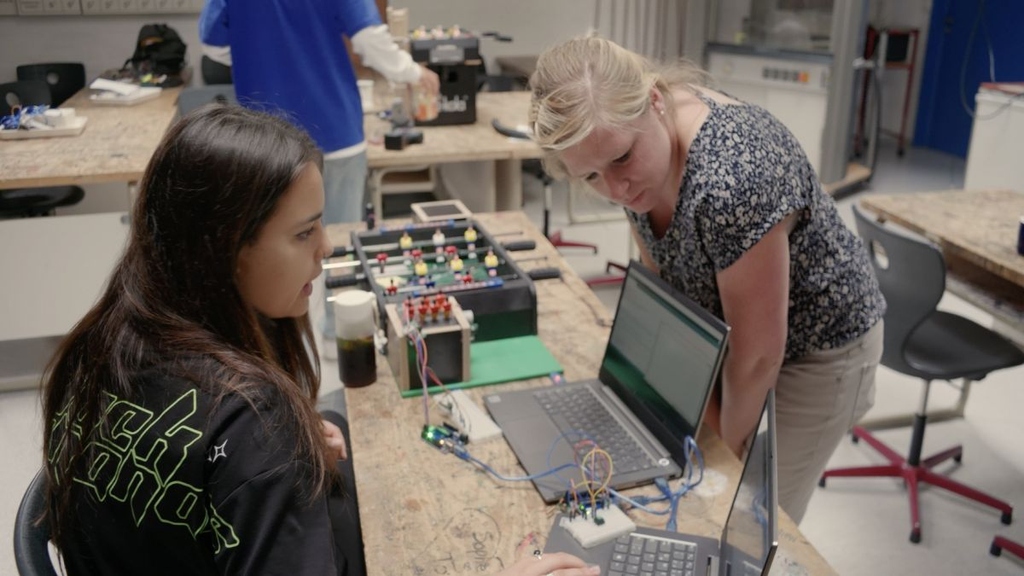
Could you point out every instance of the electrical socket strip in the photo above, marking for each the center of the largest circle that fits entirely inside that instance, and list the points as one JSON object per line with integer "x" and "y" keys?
{"x": 589, "y": 533}
{"x": 474, "y": 422}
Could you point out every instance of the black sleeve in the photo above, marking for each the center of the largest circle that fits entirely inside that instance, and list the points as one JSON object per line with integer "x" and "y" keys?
{"x": 260, "y": 495}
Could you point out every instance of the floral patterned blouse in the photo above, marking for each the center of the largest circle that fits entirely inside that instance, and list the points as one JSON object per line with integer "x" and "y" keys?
{"x": 745, "y": 173}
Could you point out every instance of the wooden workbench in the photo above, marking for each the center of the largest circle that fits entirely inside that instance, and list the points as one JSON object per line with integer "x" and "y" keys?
{"x": 477, "y": 142}
{"x": 53, "y": 254}
{"x": 979, "y": 226}
{"x": 425, "y": 512}
{"x": 115, "y": 146}
{"x": 977, "y": 232}
{"x": 460, "y": 143}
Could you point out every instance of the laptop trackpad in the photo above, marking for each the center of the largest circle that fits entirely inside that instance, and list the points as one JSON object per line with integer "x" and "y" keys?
{"x": 532, "y": 437}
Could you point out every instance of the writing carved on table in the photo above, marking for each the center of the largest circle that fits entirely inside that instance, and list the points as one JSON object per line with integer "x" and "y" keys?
{"x": 467, "y": 544}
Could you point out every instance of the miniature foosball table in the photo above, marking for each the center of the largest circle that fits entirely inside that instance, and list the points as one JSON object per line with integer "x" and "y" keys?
{"x": 440, "y": 285}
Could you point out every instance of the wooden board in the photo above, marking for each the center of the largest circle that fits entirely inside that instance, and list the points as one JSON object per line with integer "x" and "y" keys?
{"x": 115, "y": 147}
{"x": 976, "y": 226}
{"x": 463, "y": 143}
{"x": 75, "y": 128}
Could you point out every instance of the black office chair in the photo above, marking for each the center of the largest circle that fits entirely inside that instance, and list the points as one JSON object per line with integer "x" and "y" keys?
{"x": 214, "y": 72}
{"x": 63, "y": 78}
{"x": 927, "y": 343}
{"x": 31, "y": 554}
{"x": 191, "y": 98}
{"x": 28, "y": 202}
{"x": 24, "y": 93}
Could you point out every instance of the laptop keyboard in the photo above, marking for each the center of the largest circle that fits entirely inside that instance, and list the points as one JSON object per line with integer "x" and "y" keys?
{"x": 640, "y": 555}
{"x": 579, "y": 410}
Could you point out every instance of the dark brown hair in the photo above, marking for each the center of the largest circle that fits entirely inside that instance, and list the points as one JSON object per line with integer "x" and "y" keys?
{"x": 172, "y": 300}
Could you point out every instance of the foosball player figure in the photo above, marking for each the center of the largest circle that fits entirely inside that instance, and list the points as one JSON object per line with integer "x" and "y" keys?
{"x": 430, "y": 283}
{"x": 456, "y": 264}
{"x": 438, "y": 239}
{"x": 392, "y": 289}
{"x": 405, "y": 242}
{"x": 371, "y": 216}
{"x": 491, "y": 263}
{"x": 447, "y": 307}
{"x": 382, "y": 260}
{"x": 470, "y": 235}
{"x": 420, "y": 268}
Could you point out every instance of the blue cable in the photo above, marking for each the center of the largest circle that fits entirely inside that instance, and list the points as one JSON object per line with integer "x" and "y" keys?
{"x": 639, "y": 502}
{"x": 691, "y": 451}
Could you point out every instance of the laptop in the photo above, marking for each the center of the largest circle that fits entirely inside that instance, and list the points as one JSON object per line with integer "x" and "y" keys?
{"x": 746, "y": 547}
{"x": 655, "y": 380}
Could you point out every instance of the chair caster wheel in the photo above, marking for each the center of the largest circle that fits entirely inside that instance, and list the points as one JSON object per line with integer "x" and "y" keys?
{"x": 915, "y": 536}
{"x": 821, "y": 482}
{"x": 995, "y": 550}
{"x": 1007, "y": 517}
{"x": 854, "y": 438}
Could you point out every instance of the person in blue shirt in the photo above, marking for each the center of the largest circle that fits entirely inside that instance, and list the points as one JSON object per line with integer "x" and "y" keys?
{"x": 289, "y": 56}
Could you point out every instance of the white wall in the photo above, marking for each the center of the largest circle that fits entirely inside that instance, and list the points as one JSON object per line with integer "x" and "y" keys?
{"x": 102, "y": 42}
{"x": 99, "y": 42}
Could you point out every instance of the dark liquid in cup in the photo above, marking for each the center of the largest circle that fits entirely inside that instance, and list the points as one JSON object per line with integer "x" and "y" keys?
{"x": 357, "y": 362}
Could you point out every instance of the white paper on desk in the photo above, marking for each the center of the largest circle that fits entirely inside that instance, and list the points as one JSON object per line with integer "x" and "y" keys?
{"x": 121, "y": 91}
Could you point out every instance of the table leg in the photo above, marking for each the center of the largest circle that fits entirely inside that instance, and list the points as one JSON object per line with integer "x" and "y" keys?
{"x": 508, "y": 184}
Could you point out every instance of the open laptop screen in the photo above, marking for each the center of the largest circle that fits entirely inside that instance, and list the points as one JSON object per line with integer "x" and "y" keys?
{"x": 750, "y": 535}
{"x": 663, "y": 354}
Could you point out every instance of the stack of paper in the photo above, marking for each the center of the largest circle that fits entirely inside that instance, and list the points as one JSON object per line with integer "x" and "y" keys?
{"x": 121, "y": 93}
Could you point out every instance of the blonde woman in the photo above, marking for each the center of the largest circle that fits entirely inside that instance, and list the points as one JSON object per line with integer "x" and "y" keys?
{"x": 725, "y": 205}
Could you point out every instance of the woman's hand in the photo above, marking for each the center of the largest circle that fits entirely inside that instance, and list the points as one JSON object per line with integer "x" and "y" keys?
{"x": 429, "y": 81}
{"x": 555, "y": 564}
{"x": 335, "y": 440}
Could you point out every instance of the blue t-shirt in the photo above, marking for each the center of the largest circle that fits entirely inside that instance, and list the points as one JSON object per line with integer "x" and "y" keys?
{"x": 288, "y": 55}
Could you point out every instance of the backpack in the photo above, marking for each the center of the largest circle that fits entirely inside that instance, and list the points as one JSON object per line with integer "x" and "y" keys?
{"x": 159, "y": 50}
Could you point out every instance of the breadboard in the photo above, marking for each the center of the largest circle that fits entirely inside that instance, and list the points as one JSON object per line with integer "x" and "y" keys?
{"x": 470, "y": 418}
{"x": 589, "y": 533}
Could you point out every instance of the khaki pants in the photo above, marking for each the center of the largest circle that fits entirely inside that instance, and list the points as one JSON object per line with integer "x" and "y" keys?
{"x": 819, "y": 397}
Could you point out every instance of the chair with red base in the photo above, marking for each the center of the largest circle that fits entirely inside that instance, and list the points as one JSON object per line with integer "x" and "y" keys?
{"x": 554, "y": 237}
{"x": 924, "y": 342}
{"x": 609, "y": 279}
{"x": 1000, "y": 543}
{"x": 537, "y": 169}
